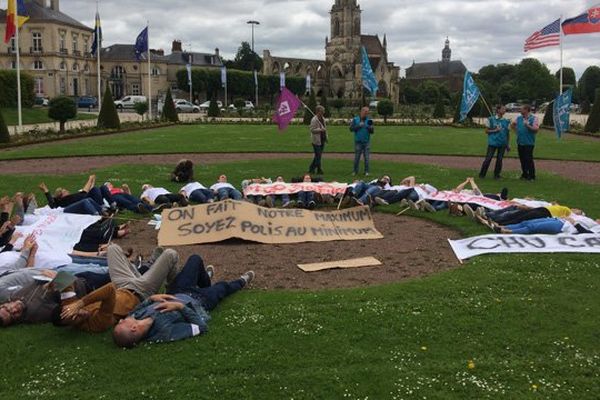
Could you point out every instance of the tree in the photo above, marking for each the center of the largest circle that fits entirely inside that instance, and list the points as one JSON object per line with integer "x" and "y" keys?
{"x": 338, "y": 104}
{"x": 4, "y": 133}
{"x": 412, "y": 95}
{"x": 246, "y": 59}
{"x": 429, "y": 92}
{"x": 325, "y": 105}
{"x": 213, "y": 109}
{"x": 168, "y": 112}
{"x": 62, "y": 109}
{"x": 593, "y": 123}
{"x": 385, "y": 108}
{"x": 240, "y": 105}
{"x": 141, "y": 108}
{"x": 549, "y": 116}
{"x": 569, "y": 78}
{"x": 108, "y": 117}
{"x": 440, "y": 110}
{"x": 534, "y": 81}
{"x": 589, "y": 82}
{"x": 312, "y": 105}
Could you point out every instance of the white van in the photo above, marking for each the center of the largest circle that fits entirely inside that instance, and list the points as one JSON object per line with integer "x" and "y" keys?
{"x": 129, "y": 101}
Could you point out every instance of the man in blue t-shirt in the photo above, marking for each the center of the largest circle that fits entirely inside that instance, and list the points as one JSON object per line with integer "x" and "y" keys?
{"x": 362, "y": 127}
{"x": 527, "y": 127}
{"x": 498, "y": 131}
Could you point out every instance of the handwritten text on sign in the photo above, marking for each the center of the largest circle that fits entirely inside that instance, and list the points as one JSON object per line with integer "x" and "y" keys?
{"x": 294, "y": 188}
{"x": 216, "y": 222}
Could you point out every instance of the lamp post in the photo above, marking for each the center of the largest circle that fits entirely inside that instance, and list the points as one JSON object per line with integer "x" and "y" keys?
{"x": 253, "y": 23}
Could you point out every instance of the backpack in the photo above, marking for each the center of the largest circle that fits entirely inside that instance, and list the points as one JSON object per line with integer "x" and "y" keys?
{"x": 184, "y": 172}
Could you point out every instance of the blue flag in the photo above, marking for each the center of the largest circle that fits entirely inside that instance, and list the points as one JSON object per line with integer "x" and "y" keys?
{"x": 470, "y": 96}
{"x": 562, "y": 116}
{"x": 369, "y": 80}
{"x": 141, "y": 44}
{"x": 97, "y": 40}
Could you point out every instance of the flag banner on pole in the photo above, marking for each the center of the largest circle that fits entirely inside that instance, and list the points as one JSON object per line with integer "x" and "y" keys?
{"x": 588, "y": 22}
{"x": 369, "y": 80}
{"x": 282, "y": 79}
{"x": 16, "y": 14}
{"x": 287, "y": 106}
{"x": 308, "y": 84}
{"x": 141, "y": 44}
{"x": 97, "y": 38}
{"x": 223, "y": 76}
{"x": 549, "y": 36}
{"x": 562, "y": 112}
{"x": 189, "y": 73}
{"x": 255, "y": 78}
{"x": 470, "y": 96}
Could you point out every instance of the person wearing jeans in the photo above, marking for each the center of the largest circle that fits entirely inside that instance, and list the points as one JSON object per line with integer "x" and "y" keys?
{"x": 362, "y": 127}
{"x": 541, "y": 226}
{"x": 527, "y": 127}
{"x": 123, "y": 198}
{"x": 225, "y": 190}
{"x": 498, "y": 132}
{"x": 161, "y": 197}
{"x": 306, "y": 198}
{"x": 197, "y": 193}
{"x": 84, "y": 207}
{"x": 318, "y": 130}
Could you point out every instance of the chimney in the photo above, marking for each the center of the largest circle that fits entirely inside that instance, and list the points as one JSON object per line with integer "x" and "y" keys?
{"x": 55, "y": 5}
{"x": 158, "y": 52}
{"x": 176, "y": 47}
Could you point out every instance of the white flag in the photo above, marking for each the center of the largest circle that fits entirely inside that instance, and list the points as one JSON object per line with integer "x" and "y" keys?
{"x": 282, "y": 79}
{"x": 224, "y": 76}
{"x": 308, "y": 83}
{"x": 255, "y": 78}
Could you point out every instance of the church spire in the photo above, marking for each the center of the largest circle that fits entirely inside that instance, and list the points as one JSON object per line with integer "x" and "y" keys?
{"x": 385, "y": 41}
{"x": 447, "y": 52}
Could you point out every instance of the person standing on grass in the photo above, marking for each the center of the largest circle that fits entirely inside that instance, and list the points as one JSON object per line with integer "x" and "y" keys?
{"x": 318, "y": 130}
{"x": 527, "y": 127}
{"x": 362, "y": 127}
{"x": 498, "y": 132}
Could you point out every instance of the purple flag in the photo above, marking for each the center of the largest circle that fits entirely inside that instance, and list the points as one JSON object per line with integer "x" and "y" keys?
{"x": 287, "y": 105}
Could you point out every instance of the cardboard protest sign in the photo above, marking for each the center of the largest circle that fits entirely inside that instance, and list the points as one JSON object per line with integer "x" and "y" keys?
{"x": 293, "y": 188}
{"x": 465, "y": 198}
{"x": 497, "y": 244}
{"x": 354, "y": 263}
{"x": 216, "y": 222}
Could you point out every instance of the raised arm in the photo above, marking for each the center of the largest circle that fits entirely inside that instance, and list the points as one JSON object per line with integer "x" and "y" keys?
{"x": 91, "y": 182}
{"x": 49, "y": 198}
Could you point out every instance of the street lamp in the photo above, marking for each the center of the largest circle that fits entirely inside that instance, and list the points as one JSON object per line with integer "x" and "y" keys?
{"x": 253, "y": 23}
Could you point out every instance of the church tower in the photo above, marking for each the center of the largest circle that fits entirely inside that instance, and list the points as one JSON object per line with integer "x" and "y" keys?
{"x": 447, "y": 52}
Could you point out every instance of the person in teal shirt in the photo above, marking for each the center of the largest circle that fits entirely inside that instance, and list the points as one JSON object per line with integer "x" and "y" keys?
{"x": 498, "y": 131}
{"x": 362, "y": 127}
{"x": 527, "y": 127}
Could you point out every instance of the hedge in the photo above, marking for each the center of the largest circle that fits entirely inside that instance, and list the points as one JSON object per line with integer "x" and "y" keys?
{"x": 8, "y": 89}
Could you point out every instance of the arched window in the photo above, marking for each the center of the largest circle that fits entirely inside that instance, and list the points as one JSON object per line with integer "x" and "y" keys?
{"x": 155, "y": 71}
{"x": 336, "y": 28}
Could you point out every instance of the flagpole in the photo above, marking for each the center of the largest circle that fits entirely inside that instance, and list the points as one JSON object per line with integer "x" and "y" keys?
{"x": 149, "y": 75}
{"x": 19, "y": 107}
{"x": 561, "y": 56}
{"x": 98, "y": 49}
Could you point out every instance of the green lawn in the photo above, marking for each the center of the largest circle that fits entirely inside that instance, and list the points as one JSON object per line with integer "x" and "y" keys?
{"x": 33, "y": 116}
{"x": 529, "y": 323}
{"x": 265, "y": 138}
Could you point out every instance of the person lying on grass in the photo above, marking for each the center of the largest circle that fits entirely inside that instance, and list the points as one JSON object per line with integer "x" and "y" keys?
{"x": 224, "y": 190}
{"x": 551, "y": 226}
{"x": 123, "y": 198}
{"x": 160, "y": 198}
{"x": 181, "y": 313}
{"x": 196, "y": 192}
{"x": 306, "y": 199}
{"x": 263, "y": 201}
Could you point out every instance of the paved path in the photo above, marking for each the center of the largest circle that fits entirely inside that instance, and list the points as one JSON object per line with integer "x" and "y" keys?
{"x": 587, "y": 172}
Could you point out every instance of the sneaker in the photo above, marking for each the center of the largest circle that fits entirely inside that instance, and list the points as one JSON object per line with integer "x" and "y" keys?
{"x": 161, "y": 207}
{"x": 413, "y": 206}
{"x": 504, "y": 194}
{"x": 469, "y": 211}
{"x": 481, "y": 212}
{"x": 262, "y": 203}
{"x": 403, "y": 203}
{"x": 366, "y": 174}
{"x": 300, "y": 204}
{"x": 210, "y": 270}
{"x": 428, "y": 207}
{"x": 381, "y": 201}
{"x": 358, "y": 201}
{"x": 142, "y": 209}
{"x": 248, "y": 277}
{"x": 312, "y": 205}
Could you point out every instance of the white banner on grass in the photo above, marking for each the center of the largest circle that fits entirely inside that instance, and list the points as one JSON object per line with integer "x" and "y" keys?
{"x": 293, "y": 188}
{"x": 499, "y": 244}
{"x": 56, "y": 234}
{"x": 465, "y": 198}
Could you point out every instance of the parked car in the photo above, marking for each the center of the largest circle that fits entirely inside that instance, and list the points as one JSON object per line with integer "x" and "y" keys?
{"x": 204, "y": 106}
{"x": 87, "y": 102}
{"x": 41, "y": 101}
{"x": 513, "y": 107}
{"x": 248, "y": 106}
{"x": 374, "y": 104}
{"x": 184, "y": 106}
{"x": 129, "y": 102}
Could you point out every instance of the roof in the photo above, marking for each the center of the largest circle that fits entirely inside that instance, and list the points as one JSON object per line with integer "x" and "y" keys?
{"x": 126, "y": 52}
{"x": 39, "y": 13}
{"x": 198, "y": 59}
{"x": 372, "y": 44}
{"x": 435, "y": 69}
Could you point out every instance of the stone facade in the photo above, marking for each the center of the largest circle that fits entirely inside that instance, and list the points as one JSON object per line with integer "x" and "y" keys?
{"x": 339, "y": 75}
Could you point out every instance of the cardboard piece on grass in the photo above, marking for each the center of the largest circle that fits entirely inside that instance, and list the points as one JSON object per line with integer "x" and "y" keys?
{"x": 354, "y": 263}
{"x": 216, "y": 222}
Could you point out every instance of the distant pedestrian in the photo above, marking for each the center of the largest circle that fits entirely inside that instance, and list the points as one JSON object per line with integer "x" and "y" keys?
{"x": 318, "y": 130}
{"x": 527, "y": 127}
{"x": 498, "y": 132}
{"x": 362, "y": 127}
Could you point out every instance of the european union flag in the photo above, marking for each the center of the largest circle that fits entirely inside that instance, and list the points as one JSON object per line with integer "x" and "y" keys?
{"x": 97, "y": 41}
{"x": 368, "y": 76}
{"x": 562, "y": 109}
{"x": 470, "y": 96}
{"x": 141, "y": 44}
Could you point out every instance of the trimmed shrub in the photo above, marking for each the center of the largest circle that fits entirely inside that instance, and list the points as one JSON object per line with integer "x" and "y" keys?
{"x": 325, "y": 105}
{"x": 62, "y": 109}
{"x": 213, "y": 109}
{"x": 385, "y": 108}
{"x": 4, "y": 133}
{"x": 440, "y": 110}
{"x": 312, "y": 105}
{"x": 141, "y": 108}
{"x": 8, "y": 89}
{"x": 108, "y": 117}
{"x": 549, "y": 116}
{"x": 338, "y": 104}
{"x": 168, "y": 112}
{"x": 593, "y": 123}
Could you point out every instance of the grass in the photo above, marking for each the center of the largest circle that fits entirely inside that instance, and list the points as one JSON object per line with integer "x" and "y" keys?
{"x": 528, "y": 324}
{"x": 32, "y": 116}
{"x": 265, "y": 138}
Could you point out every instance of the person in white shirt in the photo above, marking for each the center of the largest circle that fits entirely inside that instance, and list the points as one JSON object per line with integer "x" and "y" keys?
{"x": 197, "y": 193}
{"x": 161, "y": 198}
{"x": 225, "y": 190}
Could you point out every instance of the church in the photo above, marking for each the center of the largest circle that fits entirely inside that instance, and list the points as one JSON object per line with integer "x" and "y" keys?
{"x": 339, "y": 75}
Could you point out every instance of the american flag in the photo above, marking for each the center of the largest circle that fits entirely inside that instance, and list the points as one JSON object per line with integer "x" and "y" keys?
{"x": 547, "y": 37}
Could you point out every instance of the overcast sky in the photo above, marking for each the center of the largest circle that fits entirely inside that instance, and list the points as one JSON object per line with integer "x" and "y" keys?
{"x": 482, "y": 32}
